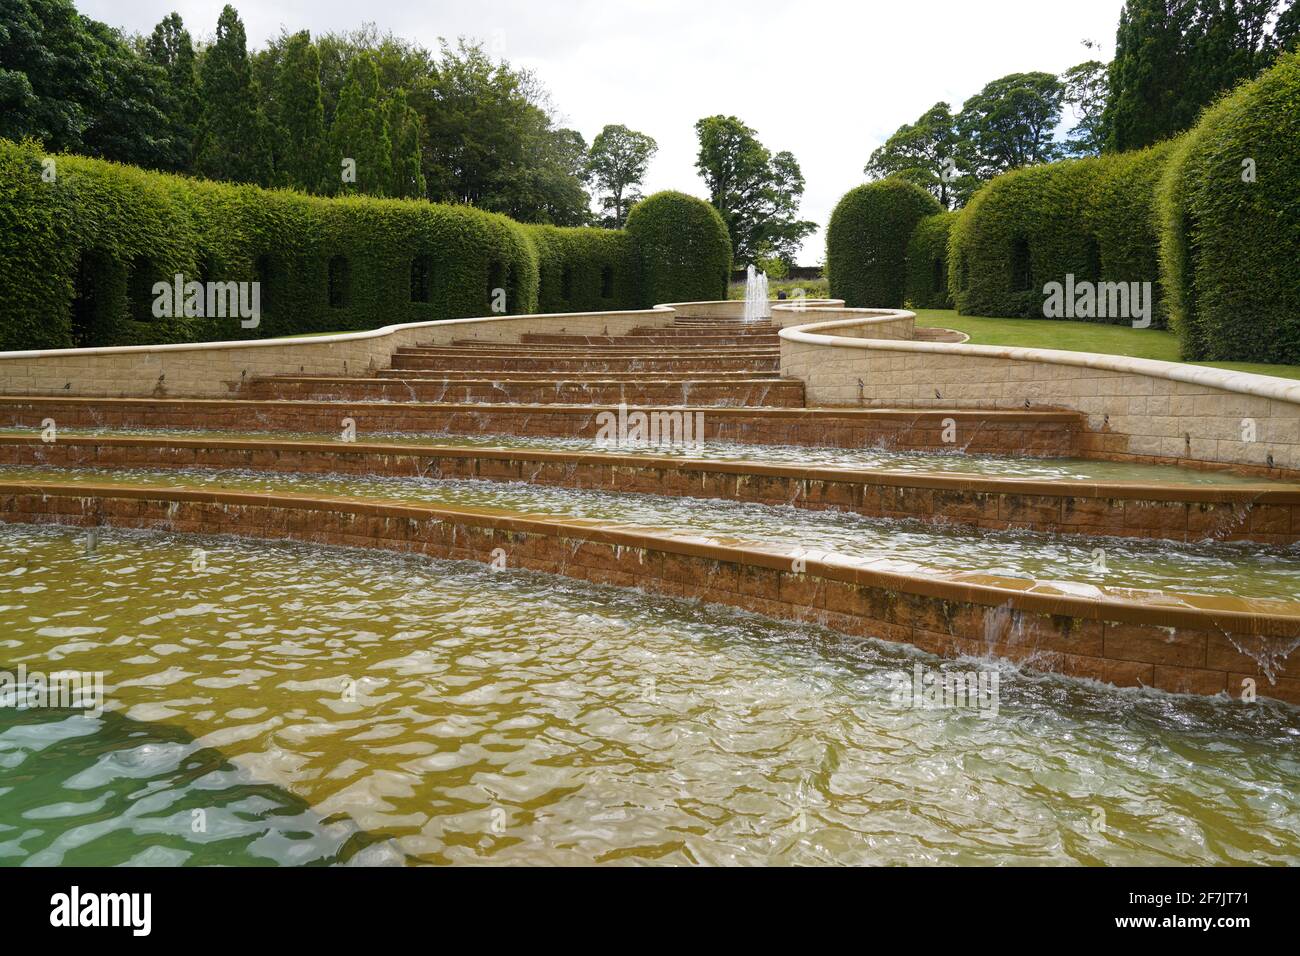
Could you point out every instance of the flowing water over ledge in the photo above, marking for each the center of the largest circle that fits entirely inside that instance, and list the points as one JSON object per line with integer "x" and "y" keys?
{"x": 511, "y": 717}
{"x": 1245, "y": 570}
{"x": 956, "y": 462}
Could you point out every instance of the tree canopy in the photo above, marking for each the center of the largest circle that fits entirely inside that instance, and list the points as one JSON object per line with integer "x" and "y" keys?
{"x": 617, "y": 165}
{"x": 451, "y": 124}
{"x": 755, "y": 192}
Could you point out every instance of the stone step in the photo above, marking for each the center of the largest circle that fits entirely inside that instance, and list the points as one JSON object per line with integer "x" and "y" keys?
{"x": 584, "y": 375}
{"x": 1263, "y": 512}
{"x": 593, "y": 365}
{"x": 559, "y": 338}
{"x": 588, "y": 351}
{"x": 743, "y": 392}
{"x": 686, "y": 333}
{"x": 1016, "y": 432}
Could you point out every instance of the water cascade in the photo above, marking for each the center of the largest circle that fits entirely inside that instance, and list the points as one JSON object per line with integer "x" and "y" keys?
{"x": 756, "y": 303}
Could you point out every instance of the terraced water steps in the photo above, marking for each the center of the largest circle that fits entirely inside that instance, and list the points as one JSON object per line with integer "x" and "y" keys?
{"x": 564, "y": 338}
{"x": 542, "y": 371}
{"x": 594, "y": 364}
{"x": 1197, "y": 643}
{"x": 750, "y": 392}
{"x": 583, "y": 348}
{"x": 949, "y": 462}
{"x": 1019, "y": 432}
{"x": 689, "y": 333}
{"x": 523, "y": 348}
{"x": 1264, "y": 512}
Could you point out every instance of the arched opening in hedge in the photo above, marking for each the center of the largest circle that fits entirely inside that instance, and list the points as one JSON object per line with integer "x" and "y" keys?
{"x": 421, "y": 279}
{"x": 514, "y": 297}
{"x": 340, "y": 280}
{"x": 205, "y": 270}
{"x": 607, "y": 282}
{"x": 142, "y": 275}
{"x": 939, "y": 276}
{"x": 89, "y": 290}
{"x": 1022, "y": 273}
{"x": 264, "y": 274}
{"x": 566, "y": 283}
{"x": 1092, "y": 259}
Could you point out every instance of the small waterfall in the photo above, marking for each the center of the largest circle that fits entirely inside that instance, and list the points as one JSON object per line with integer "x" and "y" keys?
{"x": 756, "y": 304}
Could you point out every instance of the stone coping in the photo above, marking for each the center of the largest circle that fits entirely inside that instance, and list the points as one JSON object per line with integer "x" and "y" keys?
{"x": 1270, "y": 492}
{"x": 1198, "y": 612}
{"x": 661, "y": 313}
{"x": 657, "y": 312}
{"x": 1244, "y": 383}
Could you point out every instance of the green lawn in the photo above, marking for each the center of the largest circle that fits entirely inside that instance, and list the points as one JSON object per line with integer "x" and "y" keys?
{"x": 1081, "y": 337}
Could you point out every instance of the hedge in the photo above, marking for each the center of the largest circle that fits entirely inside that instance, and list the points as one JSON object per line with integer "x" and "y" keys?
{"x": 80, "y": 254}
{"x": 1121, "y": 216}
{"x": 1230, "y": 249}
{"x": 584, "y": 270}
{"x": 927, "y": 263}
{"x": 1020, "y": 231}
{"x": 683, "y": 249}
{"x": 867, "y": 239}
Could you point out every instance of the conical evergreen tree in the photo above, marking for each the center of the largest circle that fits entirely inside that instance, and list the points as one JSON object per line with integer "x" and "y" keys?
{"x": 300, "y": 123}
{"x": 232, "y": 141}
{"x": 360, "y": 132}
{"x": 171, "y": 47}
{"x": 404, "y": 128}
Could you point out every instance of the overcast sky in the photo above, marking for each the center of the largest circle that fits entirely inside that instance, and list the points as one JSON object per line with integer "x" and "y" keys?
{"x": 828, "y": 80}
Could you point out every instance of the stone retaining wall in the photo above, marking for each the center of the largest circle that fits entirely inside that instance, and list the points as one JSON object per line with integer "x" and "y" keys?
{"x": 1137, "y": 409}
{"x": 215, "y": 369}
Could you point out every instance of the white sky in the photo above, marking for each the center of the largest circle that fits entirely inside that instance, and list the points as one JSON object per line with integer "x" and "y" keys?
{"x": 829, "y": 80}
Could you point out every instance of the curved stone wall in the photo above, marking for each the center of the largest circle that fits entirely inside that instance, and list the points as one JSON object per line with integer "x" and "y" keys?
{"x": 1137, "y": 409}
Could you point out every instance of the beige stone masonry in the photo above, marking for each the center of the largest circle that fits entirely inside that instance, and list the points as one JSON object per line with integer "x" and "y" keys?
{"x": 1138, "y": 408}
{"x": 217, "y": 369}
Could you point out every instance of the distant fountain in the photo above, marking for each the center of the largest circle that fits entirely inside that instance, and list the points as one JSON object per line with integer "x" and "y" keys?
{"x": 756, "y": 304}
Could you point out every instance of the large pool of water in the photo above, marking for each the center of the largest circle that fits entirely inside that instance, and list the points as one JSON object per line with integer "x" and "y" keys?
{"x": 280, "y": 703}
{"x": 1245, "y": 570}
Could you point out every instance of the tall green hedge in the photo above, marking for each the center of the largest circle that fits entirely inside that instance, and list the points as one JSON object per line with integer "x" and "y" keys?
{"x": 1090, "y": 218}
{"x": 584, "y": 270}
{"x": 927, "y": 262}
{"x": 80, "y": 254}
{"x": 1018, "y": 232}
{"x": 867, "y": 238}
{"x": 1121, "y": 216}
{"x": 1230, "y": 248}
{"x": 683, "y": 249}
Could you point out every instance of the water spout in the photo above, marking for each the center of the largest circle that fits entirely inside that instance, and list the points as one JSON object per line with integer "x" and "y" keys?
{"x": 756, "y": 303}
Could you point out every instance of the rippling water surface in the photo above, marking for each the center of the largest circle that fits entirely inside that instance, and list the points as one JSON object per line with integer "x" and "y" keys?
{"x": 1048, "y": 469}
{"x": 517, "y": 718}
{"x": 1245, "y": 570}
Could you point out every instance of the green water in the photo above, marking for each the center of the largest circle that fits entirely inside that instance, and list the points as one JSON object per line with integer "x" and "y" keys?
{"x": 1047, "y": 469}
{"x": 516, "y": 718}
{"x": 1245, "y": 570}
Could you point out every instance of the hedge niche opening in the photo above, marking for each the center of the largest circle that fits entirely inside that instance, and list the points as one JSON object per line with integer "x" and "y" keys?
{"x": 867, "y": 240}
{"x": 1229, "y": 217}
{"x": 1019, "y": 232}
{"x": 683, "y": 249}
{"x": 927, "y": 263}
